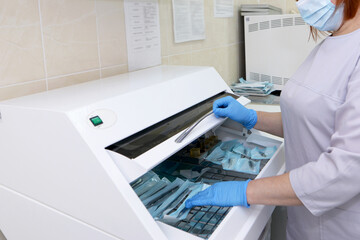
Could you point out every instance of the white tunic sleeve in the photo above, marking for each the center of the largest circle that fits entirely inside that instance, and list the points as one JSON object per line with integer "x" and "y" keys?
{"x": 334, "y": 178}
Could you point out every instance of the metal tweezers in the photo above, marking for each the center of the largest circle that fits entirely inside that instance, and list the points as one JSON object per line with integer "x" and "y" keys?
{"x": 189, "y": 129}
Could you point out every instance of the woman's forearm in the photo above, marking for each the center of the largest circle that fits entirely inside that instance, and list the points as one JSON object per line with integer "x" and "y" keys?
{"x": 270, "y": 122}
{"x": 275, "y": 190}
{"x": 272, "y": 191}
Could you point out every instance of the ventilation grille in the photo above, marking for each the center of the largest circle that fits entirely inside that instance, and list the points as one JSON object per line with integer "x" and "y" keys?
{"x": 276, "y": 23}
{"x": 264, "y": 25}
{"x": 253, "y": 27}
{"x": 299, "y": 21}
{"x": 287, "y": 22}
{"x": 254, "y": 76}
{"x": 276, "y": 80}
{"x": 264, "y": 77}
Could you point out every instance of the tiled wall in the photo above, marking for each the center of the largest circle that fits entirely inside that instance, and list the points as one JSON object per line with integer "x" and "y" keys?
{"x": 47, "y": 44}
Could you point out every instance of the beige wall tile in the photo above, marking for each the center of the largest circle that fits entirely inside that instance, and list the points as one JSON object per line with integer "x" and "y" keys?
{"x": 112, "y": 71}
{"x": 203, "y": 57}
{"x": 214, "y": 57}
{"x": 111, "y": 31}
{"x": 170, "y": 47}
{"x": 21, "y": 53}
{"x": 231, "y": 27}
{"x": 165, "y": 18}
{"x": 64, "y": 81}
{"x": 221, "y": 61}
{"x": 224, "y": 59}
{"x": 70, "y": 36}
{"x": 177, "y": 48}
{"x": 214, "y": 29}
{"x": 291, "y": 6}
{"x": 72, "y": 29}
{"x": 233, "y": 64}
{"x": 165, "y": 60}
{"x": 181, "y": 59}
{"x": 22, "y": 89}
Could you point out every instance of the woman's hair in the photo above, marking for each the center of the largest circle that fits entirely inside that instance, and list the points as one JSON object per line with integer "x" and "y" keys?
{"x": 350, "y": 8}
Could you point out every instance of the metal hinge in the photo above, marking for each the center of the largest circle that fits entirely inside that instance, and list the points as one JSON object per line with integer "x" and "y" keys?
{"x": 246, "y": 132}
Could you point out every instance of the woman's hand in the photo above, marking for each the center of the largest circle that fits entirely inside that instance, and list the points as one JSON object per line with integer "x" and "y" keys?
{"x": 222, "y": 194}
{"x": 229, "y": 107}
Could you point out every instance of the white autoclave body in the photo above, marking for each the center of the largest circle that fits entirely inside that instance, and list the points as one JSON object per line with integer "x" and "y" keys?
{"x": 58, "y": 181}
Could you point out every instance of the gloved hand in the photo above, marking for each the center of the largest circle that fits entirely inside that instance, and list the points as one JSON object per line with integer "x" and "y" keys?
{"x": 222, "y": 194}
{"x": 229, "y": 107}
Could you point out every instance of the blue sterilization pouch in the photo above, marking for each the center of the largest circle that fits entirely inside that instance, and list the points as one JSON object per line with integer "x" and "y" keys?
{"x": 235, "y": 162}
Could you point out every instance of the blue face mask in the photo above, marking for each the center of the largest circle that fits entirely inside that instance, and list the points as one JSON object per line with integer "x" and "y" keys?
{"x": 321, "y": 14}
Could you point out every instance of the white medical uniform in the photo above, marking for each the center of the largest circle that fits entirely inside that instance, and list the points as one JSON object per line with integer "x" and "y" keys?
{"x": 321, "y": 118}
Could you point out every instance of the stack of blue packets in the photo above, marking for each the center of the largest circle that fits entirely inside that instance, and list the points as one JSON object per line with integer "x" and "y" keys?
{"x": 233, "y": 155}
{"x": 218, "y": 153}
{"x": 182, "y": 212}
{"x": 252, "y": 88}
{"x": 161, "y": 197}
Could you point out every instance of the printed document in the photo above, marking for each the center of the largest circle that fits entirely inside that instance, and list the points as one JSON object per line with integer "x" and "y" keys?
{"x": 189, "y": 20}
{"x": 142, "y": 33}
{"x": 223, "y": 8}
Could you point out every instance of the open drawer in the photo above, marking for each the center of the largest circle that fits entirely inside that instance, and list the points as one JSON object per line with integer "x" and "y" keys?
{"x": 215, "y": 222}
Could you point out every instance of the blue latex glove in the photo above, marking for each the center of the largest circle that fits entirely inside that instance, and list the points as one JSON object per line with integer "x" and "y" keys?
{"x": 222, "y": 194}
{"x": 229, "y": 107}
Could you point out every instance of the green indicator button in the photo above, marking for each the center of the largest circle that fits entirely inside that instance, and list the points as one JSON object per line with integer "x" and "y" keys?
{"x": 96, "y": 121}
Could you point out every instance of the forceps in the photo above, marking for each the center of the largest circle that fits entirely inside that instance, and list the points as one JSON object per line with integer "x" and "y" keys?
{"x": 189, "y": 129}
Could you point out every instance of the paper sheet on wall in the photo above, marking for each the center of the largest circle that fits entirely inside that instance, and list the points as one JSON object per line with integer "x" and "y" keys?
{"x": 189, "y": 20}
{"x": 223, "y": 8}
{"x": 142, "y": 33}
